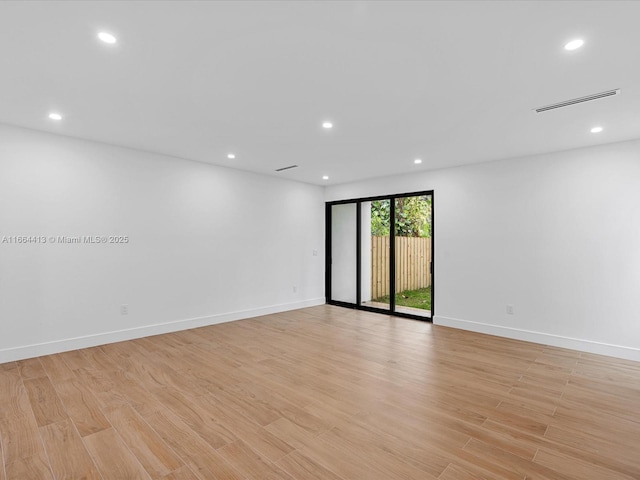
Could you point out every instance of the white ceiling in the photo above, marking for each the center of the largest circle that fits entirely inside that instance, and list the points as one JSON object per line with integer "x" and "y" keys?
{"x": 450, "y": 82}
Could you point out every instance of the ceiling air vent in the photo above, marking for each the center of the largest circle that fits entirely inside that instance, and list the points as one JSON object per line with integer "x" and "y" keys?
{"x": 588, "y": 98}
{"x": 286, "y": 168}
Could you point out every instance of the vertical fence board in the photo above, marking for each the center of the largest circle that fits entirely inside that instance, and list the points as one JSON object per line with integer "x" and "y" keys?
{"x": 413, "y": 258}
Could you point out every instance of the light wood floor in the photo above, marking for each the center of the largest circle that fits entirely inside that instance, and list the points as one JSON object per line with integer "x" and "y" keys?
{"x": 322, "y": 393}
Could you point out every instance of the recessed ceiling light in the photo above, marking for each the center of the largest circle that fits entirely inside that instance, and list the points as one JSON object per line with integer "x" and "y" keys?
{"x": 325, "y": 177}
{"x": 327, "y": 125}
{"x": 231, "y": 155}
{"x": 417, "y": 161}
{"x": 55, "y": 116}
{"x": 596, "y": 129}
{"x": 574, "y": 44}
{"x": 107, "y": 37}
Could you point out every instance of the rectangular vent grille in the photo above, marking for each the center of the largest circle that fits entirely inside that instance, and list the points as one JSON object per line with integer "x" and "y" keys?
{"x": 286, "y": 168}
{"x": 588, "y": 98}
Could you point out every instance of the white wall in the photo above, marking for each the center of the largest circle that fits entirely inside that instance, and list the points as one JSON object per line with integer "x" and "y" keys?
{"x": 557, "y": 236}
{"x": 207, "y": 244}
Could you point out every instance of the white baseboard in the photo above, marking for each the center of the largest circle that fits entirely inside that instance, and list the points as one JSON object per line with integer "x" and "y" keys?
{"x": 617, "y": 351}
{"x": 48, "y": 348}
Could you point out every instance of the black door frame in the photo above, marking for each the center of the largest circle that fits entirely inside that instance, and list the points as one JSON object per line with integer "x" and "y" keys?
{"x": 392, "y": 254}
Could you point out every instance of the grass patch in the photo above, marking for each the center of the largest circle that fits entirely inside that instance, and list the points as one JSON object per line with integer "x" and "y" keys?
{"x": 420, "y": 298}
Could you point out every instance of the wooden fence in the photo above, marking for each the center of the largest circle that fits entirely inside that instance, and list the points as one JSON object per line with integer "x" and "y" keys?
{"x": 413, "y": 260}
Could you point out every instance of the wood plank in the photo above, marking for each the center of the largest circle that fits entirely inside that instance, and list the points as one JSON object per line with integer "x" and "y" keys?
{"x": 291, "y": 433}
{"x": 36, "y": 468}
{"x": 148, "y": 447}
{"x": 129, "y": 389}
{"x": 2, "y": 472}
{"x": 573, "y": 467}
{"x": 301, "y": 467}
{"x": 198, "y": 419}
{"x": 203, "y": 459}
{"x": 45, "y": 403}
{"x": 20, "y": 438}
{"x": 260, "y": 412}
{"x": 75, "y": 360}
{"x": 324, "y": 392}
{"x": 31, "y": 368}
{"x": 455, "y": 472}
{"x": 113, "y": 458}
{"x": 607, "y": 453}
{"x": 285, "y": 408}
{"x": 249, "y": 464}
{"x": 82, "y": 407}
{"x": 382, "y": 459}
{"x": 14, "y": 400}
{"x": 520, "y": 467}
{"x": 260, "y": 439}
{"x": 67, "y": 454}
{"x": 344, "y": 463}
{"x": 57, "y": 370}
{"x": 5, "y": 367}
{"x": 183, "y": 473}
{"x": 382, "y": 442}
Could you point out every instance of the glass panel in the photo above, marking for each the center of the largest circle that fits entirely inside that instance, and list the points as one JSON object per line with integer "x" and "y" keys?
{"x": 413, "y": 255}
{"x": 343, "y": 253}
{"x": 375, "y": 250}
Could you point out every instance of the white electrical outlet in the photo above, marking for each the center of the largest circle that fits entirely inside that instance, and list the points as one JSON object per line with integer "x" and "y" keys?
{"x": 509, "y": 309}
{"x": 295, "y": 289}
{"x": 315, "y": 253}
{"x": 124, "y": 309}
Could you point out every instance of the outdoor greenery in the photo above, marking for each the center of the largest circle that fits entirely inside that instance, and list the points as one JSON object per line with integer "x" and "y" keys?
{"x": 413, "y": 217}
{"x": 411, "y": 298}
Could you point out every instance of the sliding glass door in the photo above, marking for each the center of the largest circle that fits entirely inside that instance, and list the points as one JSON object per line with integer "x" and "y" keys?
{"x": 380, "y": 254}
{"x": 413, "y": 256}
{"x": 344, "y": 253}
{"x": 375, "y": 254}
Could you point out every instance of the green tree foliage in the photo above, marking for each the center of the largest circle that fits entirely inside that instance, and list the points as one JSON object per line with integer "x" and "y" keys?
{"x": 413, "y": 217}
{"x": 380, "y": 218}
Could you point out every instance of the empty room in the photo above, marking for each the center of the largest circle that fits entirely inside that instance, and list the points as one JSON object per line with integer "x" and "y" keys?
{"x": 319, "y": 240}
